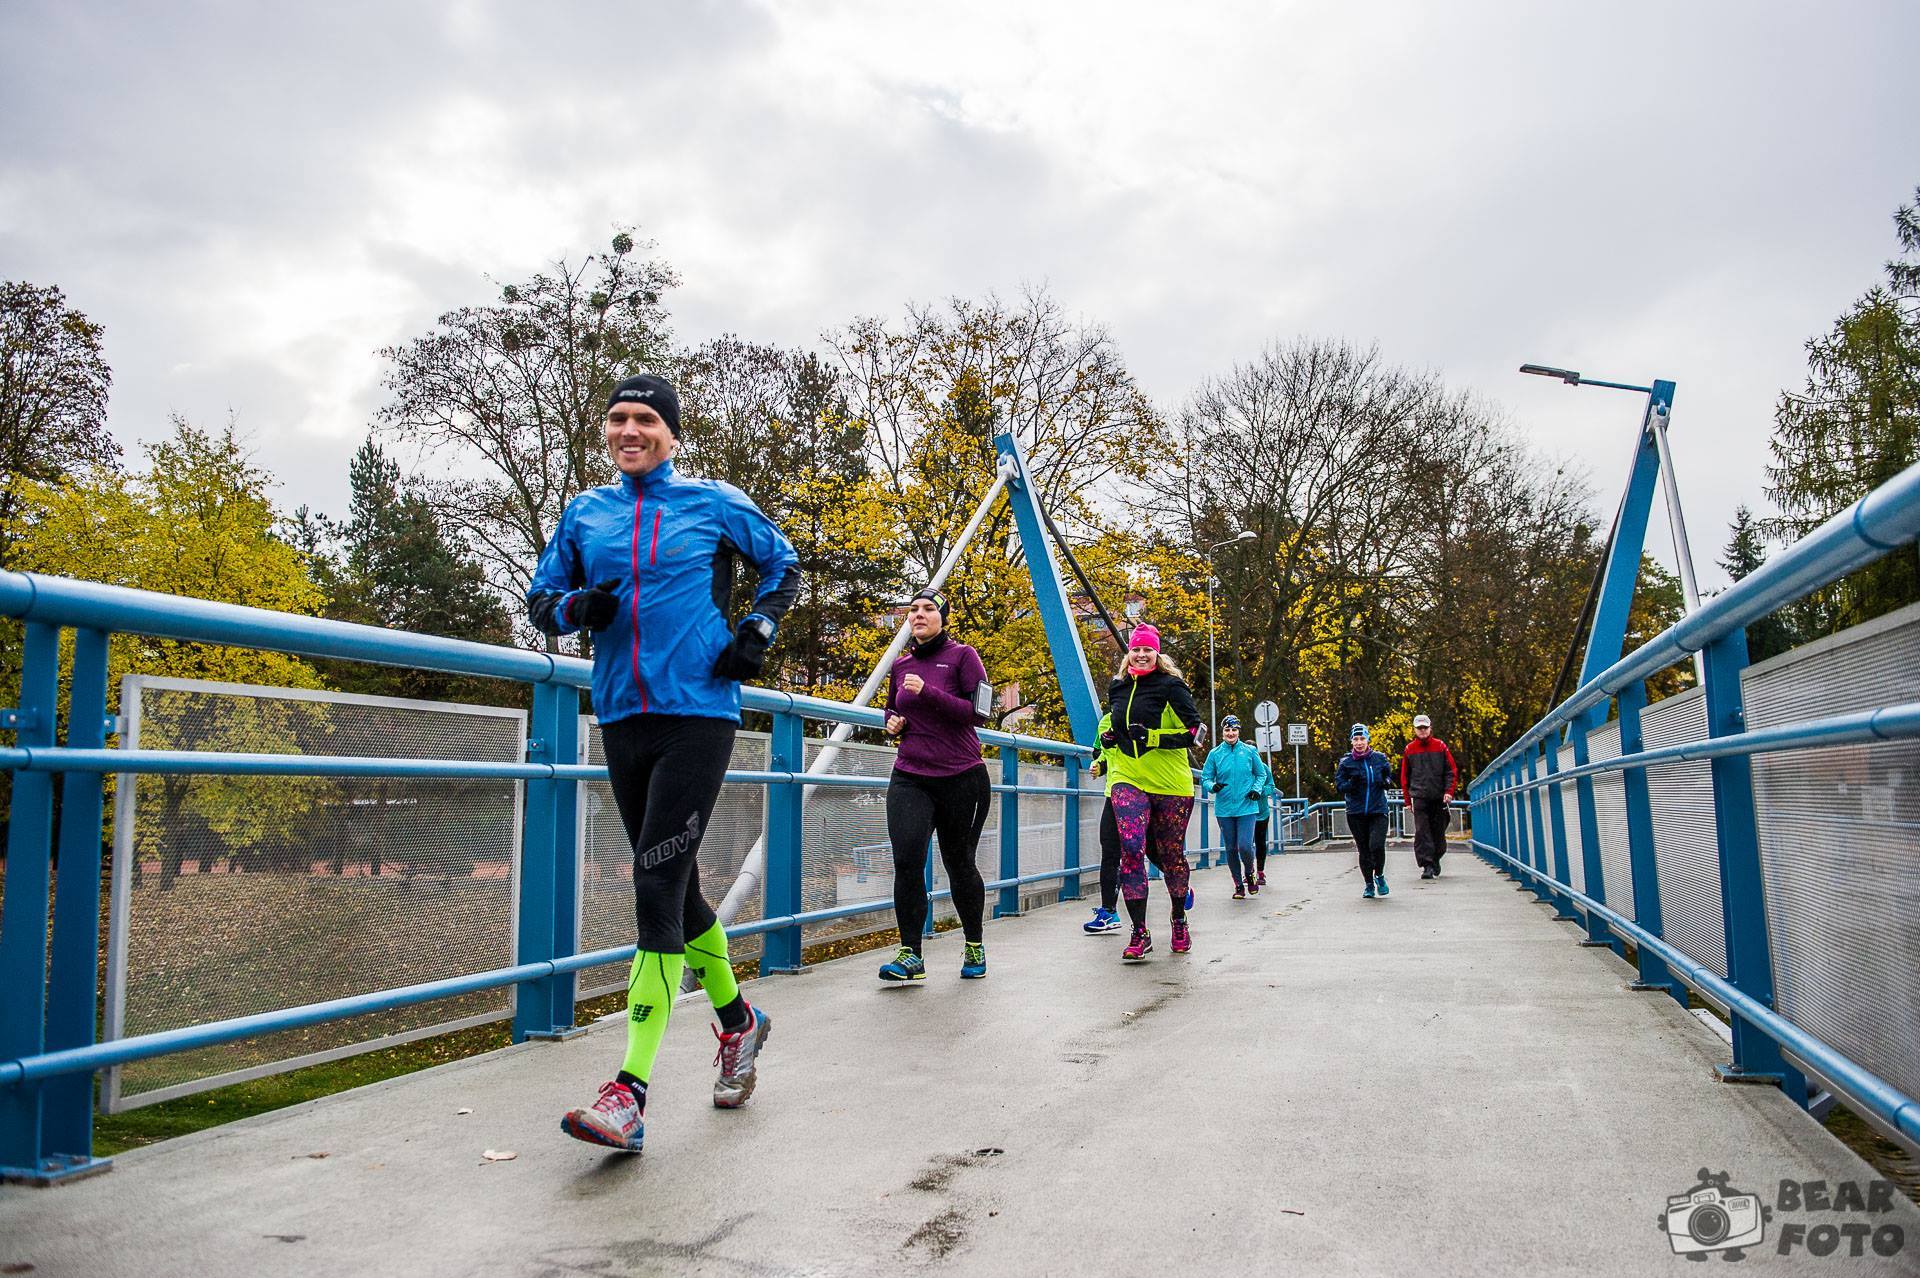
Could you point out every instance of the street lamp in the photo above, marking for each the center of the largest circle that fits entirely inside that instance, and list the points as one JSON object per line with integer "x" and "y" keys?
{"x": 1213, "y": 704}
{"x": 1670, "y": 484}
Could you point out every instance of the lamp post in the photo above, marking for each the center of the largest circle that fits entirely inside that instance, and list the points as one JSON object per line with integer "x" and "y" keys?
{"x": 1213, "y": 703}
{"x": 1657, "y": 414}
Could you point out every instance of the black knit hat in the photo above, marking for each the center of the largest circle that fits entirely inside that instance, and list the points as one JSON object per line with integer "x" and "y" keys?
{"x": 939, "y": 601}
{"x": 656, "y": 393}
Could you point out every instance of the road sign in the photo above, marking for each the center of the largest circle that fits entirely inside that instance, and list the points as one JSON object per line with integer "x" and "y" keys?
{"x": 1268, "y": 737}
{"x": 1297, "y": 734}
{"x": 1265, "y": 713}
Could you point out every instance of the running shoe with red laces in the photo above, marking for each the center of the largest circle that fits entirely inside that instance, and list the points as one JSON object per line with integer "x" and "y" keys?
{"x": 736, "y": 1058}
{"x": 613, "y": 1121}
{"x": 1182, "y": 939}
{"x": 1253, "y": 888}
{"x": 1139, "y": 947}
{"x": 1239, "y": 893}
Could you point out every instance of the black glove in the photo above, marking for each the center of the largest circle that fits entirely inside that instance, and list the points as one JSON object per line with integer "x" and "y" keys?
{"x": 743, "y": 658}
{"x": 1108, "y": 740}
{"x": 1254, "y": 795}
{"x": 1138, "y": 731}
{"x": 1218, "y": 786}
{"x": 595, "y": 609}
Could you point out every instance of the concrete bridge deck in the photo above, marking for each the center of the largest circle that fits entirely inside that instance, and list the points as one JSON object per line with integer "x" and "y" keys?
{"x": 1438, "y": 1083}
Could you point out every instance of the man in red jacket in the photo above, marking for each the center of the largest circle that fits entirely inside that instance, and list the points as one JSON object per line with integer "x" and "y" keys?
{"x": 1428, "y": 777}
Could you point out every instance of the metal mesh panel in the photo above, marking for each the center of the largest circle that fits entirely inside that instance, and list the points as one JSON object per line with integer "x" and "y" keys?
{"x": 1685, "y": 836}
{"x": 1570, "y": 819}
{"x": 1610, "y": 819}
{"x": 606, "y": 858}
{"x": 1840, "y": 848}
{"x": 237, "y": 895}
{"x": 845, "y": 851}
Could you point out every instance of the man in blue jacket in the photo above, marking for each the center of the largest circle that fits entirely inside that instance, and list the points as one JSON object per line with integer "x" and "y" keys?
{"x": 1363, "y": 777}
{"x": 1239, "y": 782}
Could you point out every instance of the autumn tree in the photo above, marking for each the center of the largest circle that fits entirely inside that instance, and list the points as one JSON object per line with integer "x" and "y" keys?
{"x": 53, "y": 398}
{"x": 197, "y": 521}
{"x": 507, "y": 398}
{"x": 775, "y": 424}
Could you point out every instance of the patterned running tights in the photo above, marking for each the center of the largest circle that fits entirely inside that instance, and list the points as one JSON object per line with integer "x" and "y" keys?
{"x": 1153, "y": 827}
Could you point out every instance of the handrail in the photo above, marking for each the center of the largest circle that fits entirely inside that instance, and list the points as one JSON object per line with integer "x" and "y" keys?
{"x": 1883, "y": 520}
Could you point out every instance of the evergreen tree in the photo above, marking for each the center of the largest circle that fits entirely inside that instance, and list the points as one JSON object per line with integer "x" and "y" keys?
{"x": 396, "y": 569}
{"x": 1746, "y": 550}
{"x": 1856, "y": 426}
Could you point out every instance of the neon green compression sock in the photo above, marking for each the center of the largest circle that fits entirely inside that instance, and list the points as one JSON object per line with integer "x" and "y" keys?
{"x": 655, "y": 979}
{"x": 707, "y": 956}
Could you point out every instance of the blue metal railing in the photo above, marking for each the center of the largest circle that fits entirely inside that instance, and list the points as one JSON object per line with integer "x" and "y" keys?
{"x": 1507, "y": 799}
{"x": 48, "y": 976}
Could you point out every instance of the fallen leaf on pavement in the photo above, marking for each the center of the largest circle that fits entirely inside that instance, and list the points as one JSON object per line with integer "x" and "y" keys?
{"x": 499, "y": 1155}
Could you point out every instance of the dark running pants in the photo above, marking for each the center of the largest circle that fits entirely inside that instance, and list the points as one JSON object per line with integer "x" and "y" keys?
{"x": 954, "y": 808}
{"x": 1260, "y": 845}
{"x": 1430, "y": 819}
{"x": 1370, "y": 837}
{"x": 666, "y": 771}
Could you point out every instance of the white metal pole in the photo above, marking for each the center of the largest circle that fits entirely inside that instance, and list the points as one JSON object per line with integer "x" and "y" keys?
{"x": 1682, "y": 548}
{"x": 1213, "y": 704}
{"x": 747, "y": 884}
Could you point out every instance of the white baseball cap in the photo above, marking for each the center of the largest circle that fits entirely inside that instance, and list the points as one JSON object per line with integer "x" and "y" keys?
{"x": 1421, "y": 721}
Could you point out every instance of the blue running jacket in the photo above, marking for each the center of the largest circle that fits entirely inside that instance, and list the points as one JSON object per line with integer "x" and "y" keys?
{"x": 669, "y": 542}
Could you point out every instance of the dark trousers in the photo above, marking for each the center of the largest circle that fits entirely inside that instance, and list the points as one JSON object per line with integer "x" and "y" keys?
{"x": 1260, "y": 845}
{"x": 1370, "y": 837}
{"x": 1430, "y": 819}
{"x": 955, "y": 809}
{"x": 1109, "y": 860}
{"x": 666, "y": 771}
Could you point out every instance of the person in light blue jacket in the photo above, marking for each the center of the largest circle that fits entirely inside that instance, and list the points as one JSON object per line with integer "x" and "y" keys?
{"x": 1239, "y": 783}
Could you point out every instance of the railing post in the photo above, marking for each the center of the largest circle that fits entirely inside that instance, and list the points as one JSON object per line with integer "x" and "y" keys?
{"x": 549, "y": 867}
{"x": 1009, "y": 902}
{"x": 1536, "y": 833}
{"x": 1654, "y": 972}
{"x": 1742, "y": 889}
{"x": 73, "y": 1004}
{"x": 1204, "y": 808}
{"x": 780, "y": 950}
{"x": 1070, "y": 828}
{"x": 1598, "y": 933}
{"x": 1557, "y": 825}
{"x": 23, "y": 917}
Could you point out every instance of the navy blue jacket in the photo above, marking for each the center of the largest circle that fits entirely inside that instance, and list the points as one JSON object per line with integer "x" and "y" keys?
{"x": 1364, "y": 780}
{"x": 669, "y": 542}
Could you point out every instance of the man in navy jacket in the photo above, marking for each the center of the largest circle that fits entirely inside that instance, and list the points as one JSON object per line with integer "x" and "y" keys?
{"x": 1363, "y": 777}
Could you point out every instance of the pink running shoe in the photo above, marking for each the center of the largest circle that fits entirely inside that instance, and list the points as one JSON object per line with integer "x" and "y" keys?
{"x": 1139, "y": 947}
{"x": 1182, "y": 939}
{"x": 614, "y": 1120}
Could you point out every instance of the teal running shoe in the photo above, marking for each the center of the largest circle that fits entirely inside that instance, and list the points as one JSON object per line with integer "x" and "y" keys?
{"x": 974, "y": 965}
{"x": 906, "y": 966}
{"x": 1380, "y": 883}
{"x": 1367, "y": 894}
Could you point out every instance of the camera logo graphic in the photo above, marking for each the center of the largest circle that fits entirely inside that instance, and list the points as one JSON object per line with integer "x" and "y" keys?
{"x": 1712, "y": 1217}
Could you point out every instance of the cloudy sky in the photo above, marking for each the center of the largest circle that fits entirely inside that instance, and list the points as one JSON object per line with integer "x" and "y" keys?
{"x": 254, "y": 198}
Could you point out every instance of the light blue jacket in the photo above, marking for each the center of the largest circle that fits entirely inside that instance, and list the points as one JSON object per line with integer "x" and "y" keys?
{"x": 1238, "y": 769}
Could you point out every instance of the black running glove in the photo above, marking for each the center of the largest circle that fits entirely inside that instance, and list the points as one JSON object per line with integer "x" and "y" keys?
{"x": 595, "y": 609}
{"x": 743, "y": 658}
{"x": 1108, "y": 740}
{"x": 1138, "y": 731}
{"x": 1218, "y": 786}
{"x": 1254, "y": 795}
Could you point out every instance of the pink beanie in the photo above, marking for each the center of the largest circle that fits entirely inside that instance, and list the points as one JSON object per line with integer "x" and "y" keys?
{"x": 1145, "y": 637}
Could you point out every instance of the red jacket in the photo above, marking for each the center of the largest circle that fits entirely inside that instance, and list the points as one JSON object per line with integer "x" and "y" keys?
{"x": 1427, "y": 770}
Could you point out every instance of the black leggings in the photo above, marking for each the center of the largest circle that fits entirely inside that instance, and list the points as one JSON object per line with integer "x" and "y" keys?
{"x": 1370, "y": 840}
{"x": 955, "y": 808}
{"x": 1109, "y": 859}
{"x": 1260, "y": 845}
{"x": 666, "y": 771}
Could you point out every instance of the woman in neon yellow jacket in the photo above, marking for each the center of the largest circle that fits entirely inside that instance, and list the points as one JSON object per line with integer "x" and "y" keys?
{"x": 1151, "y": 782}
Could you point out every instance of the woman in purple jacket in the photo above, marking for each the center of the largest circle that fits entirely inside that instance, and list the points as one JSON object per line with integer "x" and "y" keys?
{"x": 937, "y": 696}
